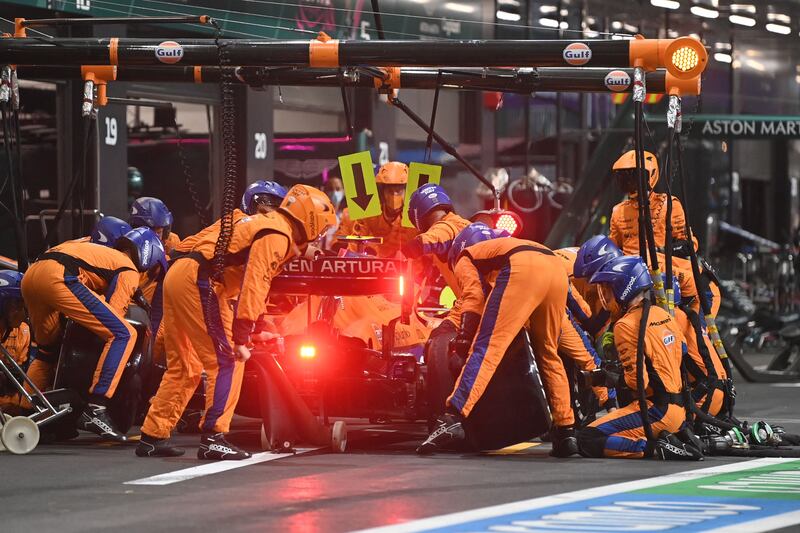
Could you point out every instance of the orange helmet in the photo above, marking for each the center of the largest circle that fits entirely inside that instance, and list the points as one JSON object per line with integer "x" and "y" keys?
{"x": 628, "y": 162}
{"x": 311, "y": 208}
{"x": 392, "y": 173}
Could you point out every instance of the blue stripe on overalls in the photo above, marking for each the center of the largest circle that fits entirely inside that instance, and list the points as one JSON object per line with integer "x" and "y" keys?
{"x": 631, "y": 421}
{"x": 485, "y": 331}
{"x": 110, "y": 321}
{"x": 587, "y": 343}
{"x": 222, "y": 348}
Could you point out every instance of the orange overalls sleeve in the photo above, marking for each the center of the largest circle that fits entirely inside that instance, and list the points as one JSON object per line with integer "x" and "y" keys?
{"x": 473, "y": 298}
{"x": 615, "y": 232}
{"x": 266, "y": 257}
{"x": 18, "y": 343}
{"x": 127, "y": 283}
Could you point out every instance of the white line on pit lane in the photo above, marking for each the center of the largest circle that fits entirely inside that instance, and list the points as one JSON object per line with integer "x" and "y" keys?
{"x": 213, "y": 468}
{"x": 505, "y": 509}
{"x": 769, "y": 523}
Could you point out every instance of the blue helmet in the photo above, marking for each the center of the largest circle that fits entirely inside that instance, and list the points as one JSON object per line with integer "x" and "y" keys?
{"x": 627, "y": 275}
{"x": 148, "y": 251}
{"x": 10, "y": 286}
{"x": 472, "y": 234}
{"x": 108, "y": 229}
{"x": 274, "y": 191}
{"x": 593, "y": 254}
{"x": 426, "y": 199}
{"x": 151, "y": 213}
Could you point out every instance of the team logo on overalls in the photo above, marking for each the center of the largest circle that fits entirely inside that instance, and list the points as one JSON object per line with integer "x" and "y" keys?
{"x": 669, "y": 339}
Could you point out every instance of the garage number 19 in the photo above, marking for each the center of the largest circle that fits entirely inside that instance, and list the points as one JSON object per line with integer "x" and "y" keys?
{"x": 111, "y": 131}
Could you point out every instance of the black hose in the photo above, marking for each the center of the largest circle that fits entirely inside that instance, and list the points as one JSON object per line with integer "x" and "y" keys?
{"x": 644, "y": 194}
{"x": 230, "y": 150}
{"x": 640, "y": 356}
{"x": 668, "y": 288}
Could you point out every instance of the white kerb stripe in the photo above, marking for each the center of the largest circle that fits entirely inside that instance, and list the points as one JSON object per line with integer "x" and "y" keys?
{"x": 570, "y": 497}
{"x": 216, "y": 467}
{"x": 768, "y": 523}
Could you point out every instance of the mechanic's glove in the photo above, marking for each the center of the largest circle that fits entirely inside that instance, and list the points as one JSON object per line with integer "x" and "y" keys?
{"x": 469, "y": 326}
{"x": 139, "y": 299}
{"x": 611, "y": 404}
{"x": 681, "y": 248}
{"x": 608, "y": 340}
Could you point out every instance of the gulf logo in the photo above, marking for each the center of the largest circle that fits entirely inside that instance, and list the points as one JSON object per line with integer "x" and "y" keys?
{"x": 617, "y": 81}
{"x": 169, "y": 52}
{"x": 577, "y": 54}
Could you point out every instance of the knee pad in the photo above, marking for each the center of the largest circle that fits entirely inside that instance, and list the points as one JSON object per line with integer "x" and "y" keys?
{"x": 591, "y": 442}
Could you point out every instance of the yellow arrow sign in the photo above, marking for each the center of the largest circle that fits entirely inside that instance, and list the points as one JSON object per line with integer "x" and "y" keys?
{"x": 419, "y": 174}
{"x": 360, "y": 189}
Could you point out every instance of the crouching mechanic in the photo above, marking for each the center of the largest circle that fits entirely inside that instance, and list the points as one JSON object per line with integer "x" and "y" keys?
{"x": 623, "y": 284}
{"x": 506, "y": 284}
{"x": 204, "y": 332}
{"x": 431, "y": 211}
{"x": 91, "y": 285}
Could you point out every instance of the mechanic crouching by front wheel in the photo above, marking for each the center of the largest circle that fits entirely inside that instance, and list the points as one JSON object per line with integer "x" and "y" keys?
{"x": 506, "y": 284}
{"x": 204, "y": 332}
{"x": 91, "y": 285}
{"x": 623, "y": 287}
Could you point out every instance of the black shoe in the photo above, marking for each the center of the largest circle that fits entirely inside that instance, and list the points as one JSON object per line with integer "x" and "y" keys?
{"x": 95, "y": 419}
{"x": 565, "y": 444}
{"x": 448, "y": 434}
{"x": 668, "y": 447}
{"x": 153, "y": 447}
{"x": 216, "y": 448}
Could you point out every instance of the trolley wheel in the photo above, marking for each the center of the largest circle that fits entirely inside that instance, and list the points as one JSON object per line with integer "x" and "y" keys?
{"x": 267, "y": 446}
{"x": 20, "y": 435}
{"x": 5, "y": 418}
{"x": 339, "y": 436}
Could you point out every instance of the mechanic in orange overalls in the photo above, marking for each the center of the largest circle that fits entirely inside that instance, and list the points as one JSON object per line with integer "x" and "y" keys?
{"x": 431, "y": 211}
{"x": 93, "y": 286}
{"x": 625, "y": 215}
{"x": 707, "y": 376}
{"x": 204, "y": 332}
{"x": 15, "y": 334}
{"x": 588, "y": 259}
{"x": 623, "y": 284}
{"x": 391, "y": 179}
{"x": 506, "y": 284}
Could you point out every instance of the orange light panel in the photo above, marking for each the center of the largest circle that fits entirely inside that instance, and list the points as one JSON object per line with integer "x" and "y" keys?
{"x": 402, "y": 285}
{"x": 308, "y": 352}
{"x": 685, "y": 58}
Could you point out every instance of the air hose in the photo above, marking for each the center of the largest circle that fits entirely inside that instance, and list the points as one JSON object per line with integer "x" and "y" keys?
{"x": 640, "y": 356}
{"x": 648, "y": 243}
{"x": 673, "y": 126}
{"x": 229, "y": 148}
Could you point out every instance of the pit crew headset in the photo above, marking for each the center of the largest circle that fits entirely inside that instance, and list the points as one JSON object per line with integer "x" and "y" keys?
{"x": 151, "y": 213}
{"x": 269, "y": 193}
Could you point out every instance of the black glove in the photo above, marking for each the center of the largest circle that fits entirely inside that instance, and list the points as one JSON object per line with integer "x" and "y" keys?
{"x": 469, "y": 326}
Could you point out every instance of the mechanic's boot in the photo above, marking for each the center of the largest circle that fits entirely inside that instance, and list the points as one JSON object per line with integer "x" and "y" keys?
{"x": 447, "y": 435}
{"x": 668, "y": 447}
{"x": 565, "y": 443}
{"x": 95, "y": 419}
{"x": 214, "y": 447}
{"x": 154, "y": 447}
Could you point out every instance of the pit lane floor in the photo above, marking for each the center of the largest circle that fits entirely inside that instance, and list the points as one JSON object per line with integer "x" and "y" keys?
{"x": 80, "y": 486}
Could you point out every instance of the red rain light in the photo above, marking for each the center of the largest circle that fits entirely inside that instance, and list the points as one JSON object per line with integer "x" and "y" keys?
{"x": 508, "y": 221}
{"x": 308, "y": 351}
{"x": 402, "y": 285}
